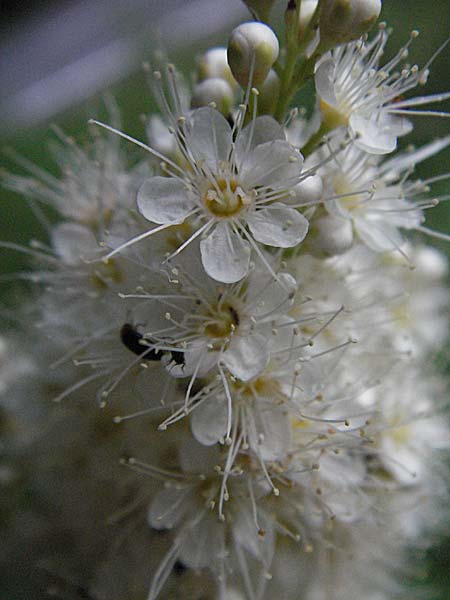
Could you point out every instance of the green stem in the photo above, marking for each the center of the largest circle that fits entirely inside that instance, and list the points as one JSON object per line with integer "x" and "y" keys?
{"x": 314, "y": 140}
{"x": 285, "y": 94}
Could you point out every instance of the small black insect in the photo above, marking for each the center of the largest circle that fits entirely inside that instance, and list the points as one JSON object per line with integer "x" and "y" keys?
{"x": 138, "y": 344}
{"x": 179, "y": 568}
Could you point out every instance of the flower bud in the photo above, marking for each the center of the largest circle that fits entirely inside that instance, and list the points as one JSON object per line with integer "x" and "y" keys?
{"x": 330, "y": 235}
{"x": 252, "y": 50}
{"x": 307, "y": 9}
{"x": 214, "y": 63}
{"x": 342, "y": 21}
{"x": 213, "y": 91}
{"x": 259, "y": 8}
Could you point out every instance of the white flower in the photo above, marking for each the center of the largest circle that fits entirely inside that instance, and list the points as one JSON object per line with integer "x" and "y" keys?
{"x": 374, "y": 195}
{"x": 227, "y": 187}
{"x": 187, "y": 505}
{"x": 95, "y": 184}
{"x": 355, "y": 90}
{"x": 408, "y": 429}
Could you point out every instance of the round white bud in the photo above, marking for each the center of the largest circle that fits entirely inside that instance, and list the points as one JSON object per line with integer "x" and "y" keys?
{"x": 252, "y": 50}
{"x": 213, "y": 91}
{"x": 342, "y": 21}
{"x": 214, "y": 63}
{"x": 159, "y": 136}
{"x": 331, "y": 235}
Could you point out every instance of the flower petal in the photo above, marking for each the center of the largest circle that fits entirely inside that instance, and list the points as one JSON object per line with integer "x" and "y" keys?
{"x": 324, "y": 79}
{"x": 372, "y": 137}
{"x": 278, "y": 226}
{"x": 73, "y": 242}
{"x": 199, "y": 549}
{"x": 225, "y": 255}
{"x": 168, "y": 507}
{"x": 263, "y": 129}
{"x": 275, "y": 298}
{"x": 275, "y": 164}
{"x": 269, "y": 432}
{"x": 164, "y": 200}
{"x": 247, "y": 356}
{"x": 209, "y": 421}
{"x": 207, "y": 136}
{"x": 379, "y": 236}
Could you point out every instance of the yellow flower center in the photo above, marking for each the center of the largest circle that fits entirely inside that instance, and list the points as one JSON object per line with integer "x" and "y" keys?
{"x": 226, "y": 198}
{"x": 224, "y": 322}
{"x": 350, "y": 199}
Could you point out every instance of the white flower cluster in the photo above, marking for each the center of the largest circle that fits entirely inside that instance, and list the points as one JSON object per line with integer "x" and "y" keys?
{"x": 252, "y": 324}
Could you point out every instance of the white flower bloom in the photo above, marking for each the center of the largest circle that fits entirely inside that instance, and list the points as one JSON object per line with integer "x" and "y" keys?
{"x": 227, "y": 187}
{"x": 355, "y": 90}
{"x": 408, "y": 431}
{"x": 372, "y": 194}
{"x": 201, "y": 540}
{"x": 94, "y": 186}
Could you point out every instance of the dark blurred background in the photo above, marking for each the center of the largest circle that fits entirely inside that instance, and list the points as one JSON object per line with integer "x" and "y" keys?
{"x": 59, "y": 57}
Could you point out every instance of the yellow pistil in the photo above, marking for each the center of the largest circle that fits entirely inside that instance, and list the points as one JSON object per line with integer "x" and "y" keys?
{"x": 226, "y": 198}
{"x": 225, "y": 322}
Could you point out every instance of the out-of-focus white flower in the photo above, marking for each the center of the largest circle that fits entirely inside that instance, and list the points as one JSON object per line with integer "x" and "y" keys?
{"x": 187, "y": 505}
{"x": 358, "y": 92}
{"x": 374, "y": 195}
{"x": 95, "y": 183}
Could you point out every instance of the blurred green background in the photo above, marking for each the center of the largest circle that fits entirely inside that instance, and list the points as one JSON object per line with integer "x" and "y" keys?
{"x": 142, "y": 30}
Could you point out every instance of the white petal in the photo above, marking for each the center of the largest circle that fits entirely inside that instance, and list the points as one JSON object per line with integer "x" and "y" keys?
{"x": 201, "y": 548}
{"x": 372, "y": 136}
{"x": 168, "y": 507}
{"x": 270, "y": 432}
{"x": 278, "y": 226}
{"x": 324, "y": 79}
{"x": 247, "y": 356}
{"x": 209, "y": 421}
{"x": 73, "y": 242}
{"x": 246, "y": 534}
{"x": 263, "y": 129}
{"x": 164, "y": 200}
{"x": 379, "y": 236}
{"x": 225, "y": 255}
{"x": 208, "y": 136}
{"x": 275, "y": 298}
{"x": 275, "y": 164}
